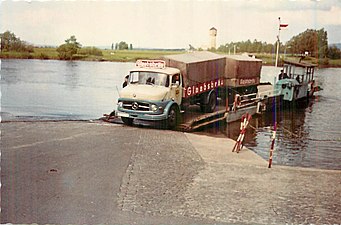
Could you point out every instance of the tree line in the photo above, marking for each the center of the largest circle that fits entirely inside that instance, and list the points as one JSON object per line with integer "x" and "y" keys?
{"x": 9, "y": 42}
{"x": 121, "y": 46}
{"x": 311, "y": 42}
{"x": 69, "y": 50}
{"x": 247, "y": 46}
{"x": 72, "y": 49}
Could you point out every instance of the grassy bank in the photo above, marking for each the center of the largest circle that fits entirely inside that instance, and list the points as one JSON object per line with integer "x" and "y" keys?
{"x": 133, "y": 55}
{"x": 334, "y": 62}
{"x": 108, "y": 55}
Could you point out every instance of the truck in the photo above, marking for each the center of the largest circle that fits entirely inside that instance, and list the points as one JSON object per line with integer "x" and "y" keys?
{"x": 159, "y": 90}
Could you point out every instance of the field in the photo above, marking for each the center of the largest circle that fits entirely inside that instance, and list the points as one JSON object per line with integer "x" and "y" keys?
{"x": 133, "y": 55}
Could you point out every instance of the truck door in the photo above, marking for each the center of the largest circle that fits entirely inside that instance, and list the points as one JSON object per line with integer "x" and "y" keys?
{"x": 176, "y": 88}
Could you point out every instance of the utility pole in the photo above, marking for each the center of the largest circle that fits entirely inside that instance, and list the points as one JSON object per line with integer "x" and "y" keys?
{"x": 1, "y": 43}
{"x": 280, "y": 25}
{"x": 277, "y": 51}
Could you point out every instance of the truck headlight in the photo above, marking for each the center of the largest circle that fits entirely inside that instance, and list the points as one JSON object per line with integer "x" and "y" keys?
{"x": 120, "y": 104}
{"x": 154, "y": 107}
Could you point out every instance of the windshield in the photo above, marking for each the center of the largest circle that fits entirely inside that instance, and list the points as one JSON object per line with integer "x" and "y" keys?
{"x": 152, "y": 78}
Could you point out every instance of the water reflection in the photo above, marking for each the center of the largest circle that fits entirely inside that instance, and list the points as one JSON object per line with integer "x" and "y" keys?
{"x": 291, "y": 136}
{"x": 296, "y": 144}
{"x": 9, "y": 75}
{"x": 71, "y": 74}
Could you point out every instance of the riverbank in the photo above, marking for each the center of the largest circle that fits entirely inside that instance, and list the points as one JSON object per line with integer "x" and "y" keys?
{"x": 133, "y": 55}
{"x": 108, "y": 55}
{"x": 96, "y": 172}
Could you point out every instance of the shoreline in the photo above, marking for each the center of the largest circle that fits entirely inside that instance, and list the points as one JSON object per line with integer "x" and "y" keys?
{"x": 124, "y": 61}
{"x": 133, "y": 55}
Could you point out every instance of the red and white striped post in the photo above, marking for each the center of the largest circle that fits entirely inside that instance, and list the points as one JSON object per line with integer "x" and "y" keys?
{"x": 272, "y": 144}
{"x": 281, "y": 25}
{"x": 243, "y": 124}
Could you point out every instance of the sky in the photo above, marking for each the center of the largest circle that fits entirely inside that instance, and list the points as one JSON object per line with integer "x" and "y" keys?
{"x": 167, "y": 23}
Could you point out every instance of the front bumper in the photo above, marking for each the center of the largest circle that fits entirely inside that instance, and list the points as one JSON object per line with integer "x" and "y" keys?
{"x": 141, "y": 110}
{"x": 141, "y": 115}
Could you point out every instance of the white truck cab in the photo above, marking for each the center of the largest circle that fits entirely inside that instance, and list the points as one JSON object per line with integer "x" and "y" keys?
{"x": 154, "y": 93}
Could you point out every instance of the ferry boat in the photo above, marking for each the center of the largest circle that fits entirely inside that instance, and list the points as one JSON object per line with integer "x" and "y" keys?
{"x": 295, "y": 86}
{"x": 296, "y": 81}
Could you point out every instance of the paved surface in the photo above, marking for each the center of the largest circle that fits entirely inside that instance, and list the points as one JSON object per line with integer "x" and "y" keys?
{"x": 239, "y": 188}
{"x": 72, "y": 172}
{"x": 79, "y": 172}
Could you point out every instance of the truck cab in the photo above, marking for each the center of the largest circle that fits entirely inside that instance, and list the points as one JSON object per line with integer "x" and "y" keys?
{"x": 154, "y": 93}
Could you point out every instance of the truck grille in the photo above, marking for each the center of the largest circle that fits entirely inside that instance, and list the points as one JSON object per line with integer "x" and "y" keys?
{"x": 138, "y": 106}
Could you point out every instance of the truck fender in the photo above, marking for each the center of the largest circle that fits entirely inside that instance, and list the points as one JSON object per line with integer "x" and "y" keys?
{"x": 169, "y": 105}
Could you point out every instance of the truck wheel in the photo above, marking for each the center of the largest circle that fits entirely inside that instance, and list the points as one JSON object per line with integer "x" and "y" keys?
{"x": 173, "y": 118}
{"x": 212, "y": 102}
{"x": 211, "y": 105}
{"x": 127, "y": 121}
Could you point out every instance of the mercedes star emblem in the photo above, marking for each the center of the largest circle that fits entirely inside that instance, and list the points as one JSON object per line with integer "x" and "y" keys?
{"x": 135, "y": 106}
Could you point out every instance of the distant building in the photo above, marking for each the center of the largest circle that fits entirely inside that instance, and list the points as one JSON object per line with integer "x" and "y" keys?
{"x": 213, "y": 35}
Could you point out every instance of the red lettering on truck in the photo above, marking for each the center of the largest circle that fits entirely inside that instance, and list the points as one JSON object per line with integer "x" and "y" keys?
{"x": 202, "y": 87}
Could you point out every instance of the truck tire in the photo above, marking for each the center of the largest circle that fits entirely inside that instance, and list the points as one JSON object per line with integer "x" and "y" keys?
{"x": 211, "y": 104}
{"x": 173, "y": 118}
{"x": 127, "y": 121}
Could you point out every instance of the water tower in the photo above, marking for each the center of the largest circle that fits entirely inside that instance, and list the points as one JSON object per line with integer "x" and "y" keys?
{"x": 213, "y": 35}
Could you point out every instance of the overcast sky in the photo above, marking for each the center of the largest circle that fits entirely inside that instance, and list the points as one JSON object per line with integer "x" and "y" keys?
{"x": 167, "y": 24}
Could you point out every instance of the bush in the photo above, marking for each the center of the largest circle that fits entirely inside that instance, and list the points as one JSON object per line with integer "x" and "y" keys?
{"x": 43, "y": 56}
{"x": 334, "y": 52}
{"x": 69, "y": 49}
{"x": 66, "y": 51}
{"x": 90, "y": 51}
{"x": 323, "y": 61}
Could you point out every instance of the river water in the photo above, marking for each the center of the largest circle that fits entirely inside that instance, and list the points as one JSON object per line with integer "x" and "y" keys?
{"x": 61, "y": 90}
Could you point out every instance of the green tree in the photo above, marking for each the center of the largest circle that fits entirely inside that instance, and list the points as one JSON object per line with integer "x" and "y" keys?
{"x": 322, "y": 43}
{"x": 248, "y": 46}
{"x": 9, "y": 42}
{"x": 334, "y": 52}
{"x": 73, "y": 40}
{"x": 122, "y": 45}
{"x": 69, "y": 49}
{"x": 313, "y": 41}
{"x": 222, "y": 48}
